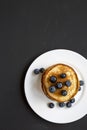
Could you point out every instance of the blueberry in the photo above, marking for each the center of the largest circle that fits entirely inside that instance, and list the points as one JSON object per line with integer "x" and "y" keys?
{"x": 68, "y": 104}
{"x": 64, "y": 92}
{"x": 68, "y": 83}
{"x": 42, "y": 70}
{"x": 59, "y": 85}
{"x": 81, "y": 82}
{"x": 79, "y": 88}
{"x": 36, "y": 71}
{"x": 51, "y": 105}
{"x": 52, "y": 89}
{"x": 53, "y": 79}
{"x": 61, "y": 104}
{"x": 72, "y": 100}
{"x": 63, "y": 75}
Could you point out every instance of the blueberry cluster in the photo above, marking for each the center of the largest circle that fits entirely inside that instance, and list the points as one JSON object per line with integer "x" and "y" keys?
{"x": 64, "y": 93}
{"x": 59, "y": 85}
{"x": 37, "y": 71}
{"x": 62, "y": 104}
{"x": 68, "y": 104}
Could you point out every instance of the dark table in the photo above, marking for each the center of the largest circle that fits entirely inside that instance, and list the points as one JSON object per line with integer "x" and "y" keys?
{"x": 28, "y": 29}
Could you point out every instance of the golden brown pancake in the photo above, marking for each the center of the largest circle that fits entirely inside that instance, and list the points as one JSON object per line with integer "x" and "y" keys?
{"x": 57, "y": 70}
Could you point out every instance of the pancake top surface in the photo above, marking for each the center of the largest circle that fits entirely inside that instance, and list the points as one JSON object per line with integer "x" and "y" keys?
{"x": 57, "y": 70}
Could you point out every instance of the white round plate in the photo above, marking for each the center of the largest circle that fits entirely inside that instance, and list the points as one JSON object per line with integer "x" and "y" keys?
{"x": 37, "y": 99}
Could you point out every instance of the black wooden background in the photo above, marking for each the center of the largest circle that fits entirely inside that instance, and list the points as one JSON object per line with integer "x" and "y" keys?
{"x": 28, "y": 29}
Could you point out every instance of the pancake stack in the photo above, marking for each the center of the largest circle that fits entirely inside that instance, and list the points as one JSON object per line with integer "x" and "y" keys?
{"x": 60, "y": 82}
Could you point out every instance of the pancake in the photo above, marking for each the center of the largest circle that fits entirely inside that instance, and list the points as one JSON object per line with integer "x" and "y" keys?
{"x": 56, "y": 70}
